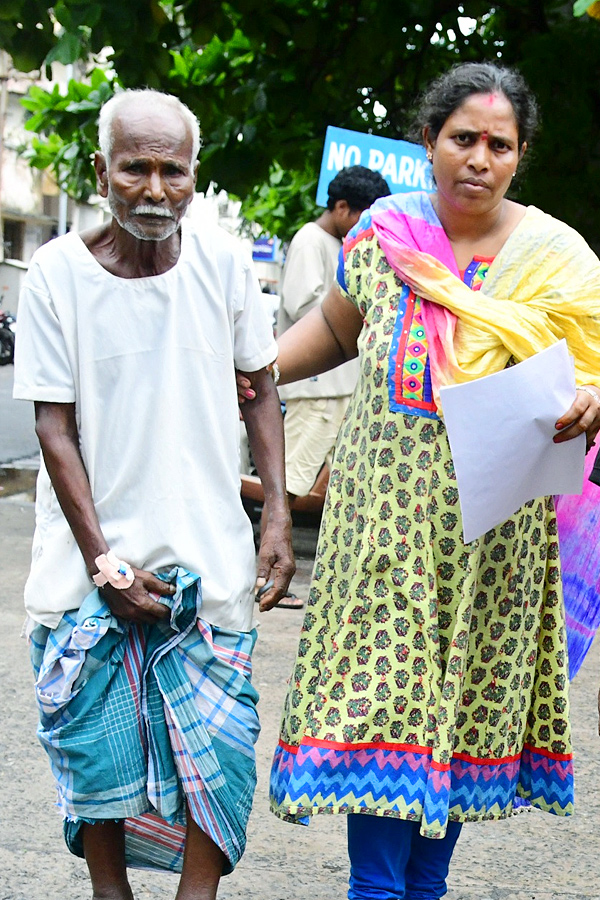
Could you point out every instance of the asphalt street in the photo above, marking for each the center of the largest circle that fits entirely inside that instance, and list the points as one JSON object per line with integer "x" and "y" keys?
{"x": 532, "y": 856}
{"x": 17, "y": 437}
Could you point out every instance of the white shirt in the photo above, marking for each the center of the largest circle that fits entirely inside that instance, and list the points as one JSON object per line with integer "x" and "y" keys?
{"x": 308, "y": 275}
{"x": 149, "y": 363}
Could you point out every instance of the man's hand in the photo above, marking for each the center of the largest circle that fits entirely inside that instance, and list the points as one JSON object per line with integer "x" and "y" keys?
{"x": 275, "y": 562}
{"x": 139, "y": 603}
{"x": 265, "y": 434}
{"x": 582, "y": 416}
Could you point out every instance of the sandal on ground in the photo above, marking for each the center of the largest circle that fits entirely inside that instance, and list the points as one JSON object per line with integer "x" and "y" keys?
{"x": 290, "y": 601}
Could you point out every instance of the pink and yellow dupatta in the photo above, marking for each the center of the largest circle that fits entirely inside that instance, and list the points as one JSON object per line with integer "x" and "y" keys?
{"x": 544, "y": 285}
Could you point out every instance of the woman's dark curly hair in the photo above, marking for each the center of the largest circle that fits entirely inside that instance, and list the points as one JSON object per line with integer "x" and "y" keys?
{"x": 450, "y": 90}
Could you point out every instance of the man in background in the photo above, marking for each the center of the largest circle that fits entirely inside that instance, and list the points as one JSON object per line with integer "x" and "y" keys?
{"x": 315, "y": 407}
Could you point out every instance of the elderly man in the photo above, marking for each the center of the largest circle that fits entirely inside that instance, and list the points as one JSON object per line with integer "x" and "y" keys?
{"x": 141, "y": 591}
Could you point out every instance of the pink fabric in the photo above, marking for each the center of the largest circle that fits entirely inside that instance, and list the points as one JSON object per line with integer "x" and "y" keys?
{"x": 403, "y": 236}
{"x": 578, "y": 518}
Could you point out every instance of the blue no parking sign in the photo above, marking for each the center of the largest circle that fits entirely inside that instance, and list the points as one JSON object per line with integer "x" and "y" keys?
{"x": 403, "y": 165}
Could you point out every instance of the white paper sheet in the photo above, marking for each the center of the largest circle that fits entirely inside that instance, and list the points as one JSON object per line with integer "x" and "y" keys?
{"x": 501, "y": 428}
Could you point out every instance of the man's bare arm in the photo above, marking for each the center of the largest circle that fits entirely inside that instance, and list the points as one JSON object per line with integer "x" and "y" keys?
{"x": 56, "y": 428}
{"x": 265, "y": 435}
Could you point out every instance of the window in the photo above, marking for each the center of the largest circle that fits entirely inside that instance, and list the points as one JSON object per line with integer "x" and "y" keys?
{"x": 14, "y": 236}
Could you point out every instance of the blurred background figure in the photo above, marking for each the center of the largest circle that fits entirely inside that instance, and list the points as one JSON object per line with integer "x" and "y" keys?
{"x": 316, "y": 406}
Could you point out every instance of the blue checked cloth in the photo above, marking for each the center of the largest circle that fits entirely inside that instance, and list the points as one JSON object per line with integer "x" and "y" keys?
{"x": 139, "y": 719}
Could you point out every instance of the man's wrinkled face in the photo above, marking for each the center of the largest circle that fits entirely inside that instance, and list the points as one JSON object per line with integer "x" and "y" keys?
{"x": 150, "y": 180}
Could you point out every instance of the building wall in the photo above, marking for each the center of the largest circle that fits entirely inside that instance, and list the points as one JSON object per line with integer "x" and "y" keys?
{"x": 11, "y": 276}
{"x": 29, "y": 198}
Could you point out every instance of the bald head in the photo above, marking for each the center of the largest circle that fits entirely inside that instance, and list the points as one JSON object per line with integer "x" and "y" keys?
{"x": 135, "y": 103}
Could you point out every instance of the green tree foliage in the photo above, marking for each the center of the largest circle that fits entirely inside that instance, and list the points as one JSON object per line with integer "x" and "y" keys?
{"x": 67, "y": 125}
{"x": 266, "y": 79}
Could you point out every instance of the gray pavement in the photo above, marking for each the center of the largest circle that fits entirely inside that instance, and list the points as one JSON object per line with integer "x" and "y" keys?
{"x": 17, "y": 436}
{"x": 530, "y": 857}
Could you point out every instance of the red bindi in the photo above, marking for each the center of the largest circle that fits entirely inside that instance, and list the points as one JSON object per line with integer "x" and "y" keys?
{"x": 484, "y": 135}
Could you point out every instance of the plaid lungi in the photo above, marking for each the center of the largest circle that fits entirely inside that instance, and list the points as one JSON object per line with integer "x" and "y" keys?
{"x": 138, "y": 719}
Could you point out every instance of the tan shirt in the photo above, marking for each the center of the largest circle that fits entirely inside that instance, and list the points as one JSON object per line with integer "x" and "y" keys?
{"x": 308, "y": 275}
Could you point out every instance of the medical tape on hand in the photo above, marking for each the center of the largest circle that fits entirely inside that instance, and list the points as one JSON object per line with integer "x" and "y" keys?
{"x": 114, "y": 571}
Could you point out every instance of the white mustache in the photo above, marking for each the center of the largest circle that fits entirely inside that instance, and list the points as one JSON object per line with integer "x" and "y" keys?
{"x": 152, "y": 211}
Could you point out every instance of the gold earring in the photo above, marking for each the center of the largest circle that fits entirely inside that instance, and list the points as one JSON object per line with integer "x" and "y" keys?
{"x": 429, "y": 156}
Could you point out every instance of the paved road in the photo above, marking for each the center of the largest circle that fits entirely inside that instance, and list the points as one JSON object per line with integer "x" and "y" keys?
{"x": 531, "y": 857}
{"x": 17, "y": 437}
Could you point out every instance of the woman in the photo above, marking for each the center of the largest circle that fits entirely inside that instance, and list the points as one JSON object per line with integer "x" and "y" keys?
{"x": 430, "y": 686}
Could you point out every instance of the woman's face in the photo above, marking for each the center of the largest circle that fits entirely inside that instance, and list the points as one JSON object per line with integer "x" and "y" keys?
{"x": 476, "y": 154}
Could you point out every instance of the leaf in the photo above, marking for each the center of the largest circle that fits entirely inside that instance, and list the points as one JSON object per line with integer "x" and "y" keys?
{"x": 68, "y": 49}
{"x": 62, "y": 14}
{"x": 70, "y": 152}
{"x": 260, "y": 99}
{"x": 580, "y": 7}
{"x": 98, "y": 78}
{"x": 38, "y": 94}
{"x": 180, "y": 66}
{"x": 276, "y": 175}
{"x": 89, "y": 105}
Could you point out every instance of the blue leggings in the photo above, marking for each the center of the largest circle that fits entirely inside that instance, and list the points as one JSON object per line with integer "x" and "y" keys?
{"x": 389, "y": 860}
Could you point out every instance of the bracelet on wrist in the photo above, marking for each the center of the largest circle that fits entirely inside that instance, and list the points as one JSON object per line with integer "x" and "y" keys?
{"x": 273, "y": 370}
{"x": 113, "y": 571}
{"x": 591, "y": 392}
